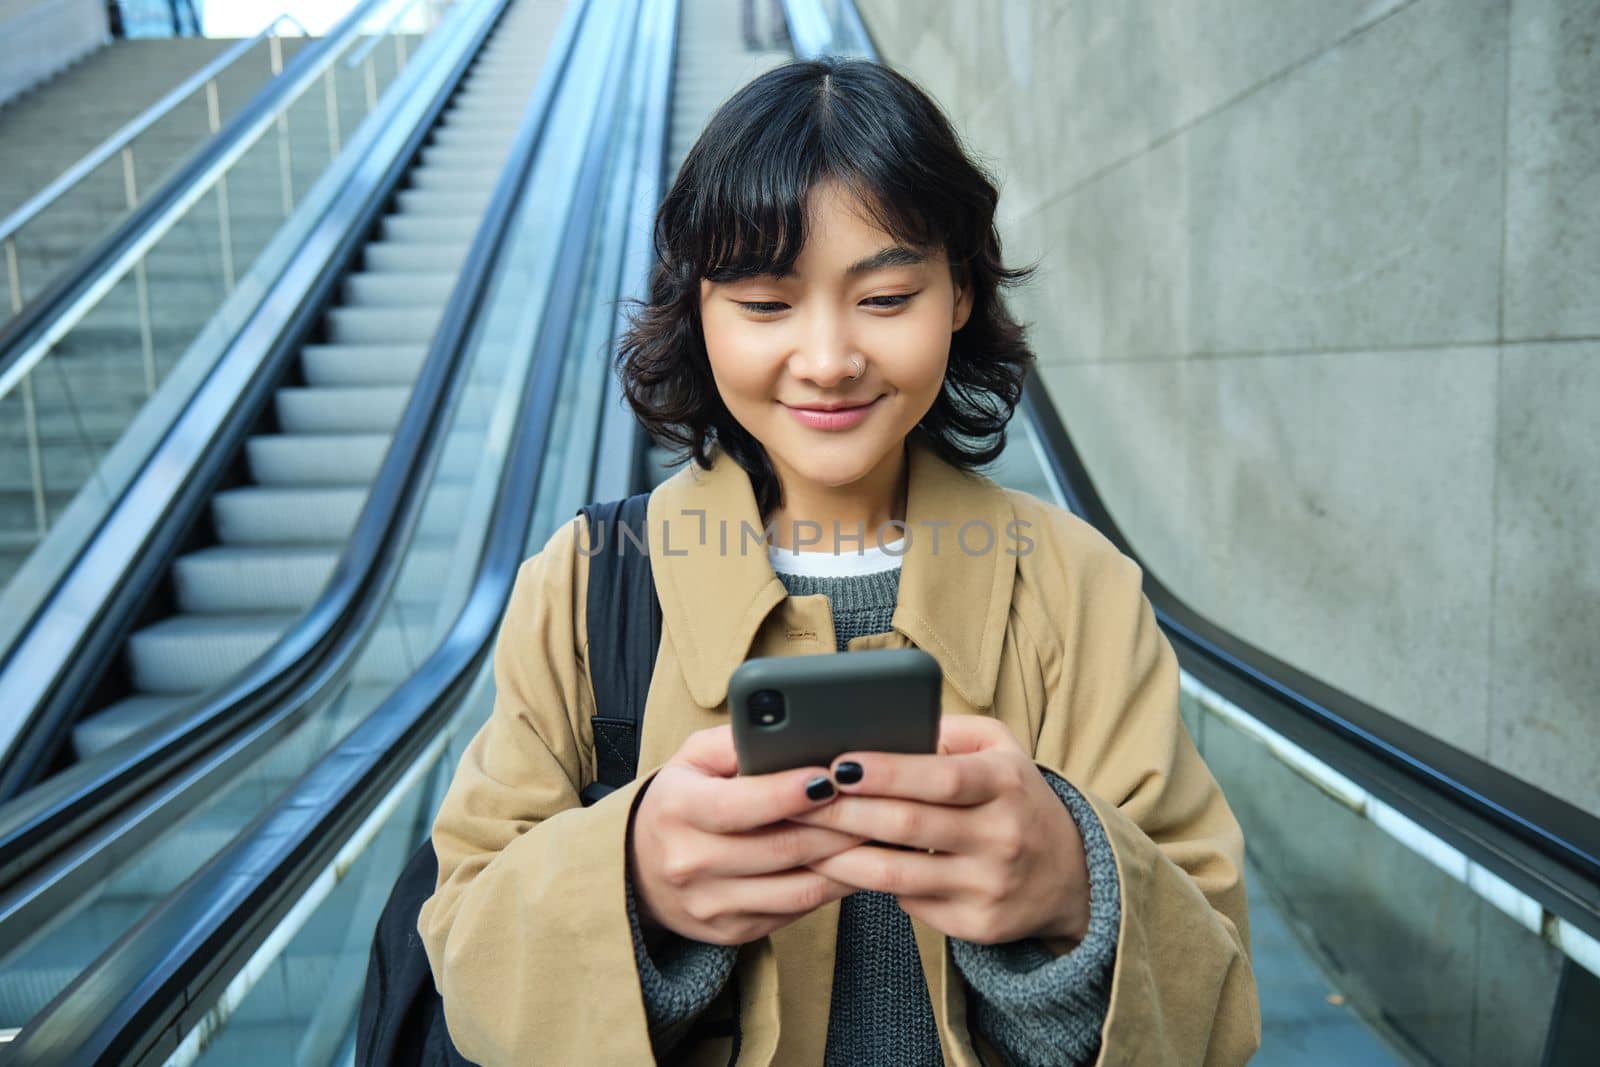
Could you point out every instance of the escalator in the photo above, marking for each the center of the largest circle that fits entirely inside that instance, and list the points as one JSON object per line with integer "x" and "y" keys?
{"x": 259, "y": 955}
{"x": 269, "y": 525}
{"x": 81, "y": 172}
{"x": 277, "y": 524}
{"x": 277, "y": 529}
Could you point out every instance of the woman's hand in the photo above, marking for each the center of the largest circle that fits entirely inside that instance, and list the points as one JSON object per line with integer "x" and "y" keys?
{"x": 712, "y": 855}
{"x": 1007, "y": 861}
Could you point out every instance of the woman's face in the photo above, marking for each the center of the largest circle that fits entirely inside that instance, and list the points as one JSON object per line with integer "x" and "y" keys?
{"x": 780, "y": 346}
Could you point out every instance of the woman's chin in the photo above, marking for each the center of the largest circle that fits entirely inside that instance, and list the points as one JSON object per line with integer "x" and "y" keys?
{"x": 833, "y": 465}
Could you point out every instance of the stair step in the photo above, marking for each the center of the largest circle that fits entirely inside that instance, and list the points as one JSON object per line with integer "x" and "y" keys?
{"x": 191, "y": 653}
{"x": 366, "y": 409}
{"x": 126, "y": 717}
{"x": 316, "y": 459}
{"x": 316, "y": 515}
{"x": 435, "y": 178}
{"x": 346, "y": 459}
{"x": 341, "y": 365}
{"x": 238, "y": 579}
{"x": 461, "y": 157}
{"x": 457, "y": 118}
{"x": 341, "y": 409}
{"x": 319, "y": 515}
{"x": 273, "y": 515}
{"x": 383, "y": 325}
{"x": 244, "y": 579}
{"x": 399, "y": 289}
{"x": 428, "y": 229}
{"x": 484, "y": 141}
{"x": 464, "y": 205}
{"x": 492, "y": 100}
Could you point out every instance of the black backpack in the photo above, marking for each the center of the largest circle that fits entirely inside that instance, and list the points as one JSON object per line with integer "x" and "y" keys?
{"x": 402, "y": 1015}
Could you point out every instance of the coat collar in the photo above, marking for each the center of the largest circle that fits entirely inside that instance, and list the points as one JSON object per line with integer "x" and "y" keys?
{"x": 717, "y": 587}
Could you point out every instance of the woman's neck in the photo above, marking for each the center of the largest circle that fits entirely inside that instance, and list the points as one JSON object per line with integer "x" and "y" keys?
{"x": 861, "y": 510}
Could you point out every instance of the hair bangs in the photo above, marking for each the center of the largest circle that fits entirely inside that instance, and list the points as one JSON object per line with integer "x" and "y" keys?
{"x": 747, "y": 215}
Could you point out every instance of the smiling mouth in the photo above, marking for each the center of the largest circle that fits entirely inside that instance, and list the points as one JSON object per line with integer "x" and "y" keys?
{"x": 836, "y": 418}
{"x": 831, "y": 407}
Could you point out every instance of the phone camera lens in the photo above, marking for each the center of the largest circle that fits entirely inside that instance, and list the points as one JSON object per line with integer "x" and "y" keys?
{"x": 766, "y": 707}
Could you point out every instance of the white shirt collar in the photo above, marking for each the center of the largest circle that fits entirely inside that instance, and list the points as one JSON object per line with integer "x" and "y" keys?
{"x": 869, "y": 559}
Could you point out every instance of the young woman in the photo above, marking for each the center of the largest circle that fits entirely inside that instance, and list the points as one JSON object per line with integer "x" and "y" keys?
{"x": 825, "y": 337}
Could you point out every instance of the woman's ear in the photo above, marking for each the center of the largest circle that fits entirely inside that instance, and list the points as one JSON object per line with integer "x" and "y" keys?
{"x": 961, "y": 283}
{"x": 963, "y": 307}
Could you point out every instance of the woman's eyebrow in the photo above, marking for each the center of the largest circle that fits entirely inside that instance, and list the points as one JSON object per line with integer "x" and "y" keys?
{"x": 893, "y": 256}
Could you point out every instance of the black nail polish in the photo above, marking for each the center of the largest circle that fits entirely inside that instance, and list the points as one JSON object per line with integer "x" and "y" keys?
{"x": 819, "y": 788}
{"x": 848, "y": 772}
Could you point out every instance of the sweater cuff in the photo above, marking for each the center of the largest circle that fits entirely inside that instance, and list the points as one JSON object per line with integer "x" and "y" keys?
{"x": 1036, "y": 1006}
{"x": 679, "y": 980}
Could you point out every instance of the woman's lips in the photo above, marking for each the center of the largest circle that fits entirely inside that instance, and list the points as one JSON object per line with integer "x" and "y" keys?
{"x": 842, "y": 419}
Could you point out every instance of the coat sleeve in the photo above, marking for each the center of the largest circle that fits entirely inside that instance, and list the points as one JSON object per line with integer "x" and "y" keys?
{"x": 1182, "y": 989}
{"x": 527, "y": 931}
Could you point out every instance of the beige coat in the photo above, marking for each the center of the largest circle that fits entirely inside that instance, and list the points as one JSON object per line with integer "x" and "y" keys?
{"x": 527, "y": 930}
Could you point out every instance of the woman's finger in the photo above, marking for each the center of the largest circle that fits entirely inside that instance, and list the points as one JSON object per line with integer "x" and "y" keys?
{"x": 788, "y": 893}
{"x": 711, "y": 750}
{"x": 898, "y": 873}
{"x": 781, "y": 847}
{"x": 733, "y": 805}
{"x": 961, "y": 781}
{"x": 974, "y": 733}
{"x": 896, "y": 822}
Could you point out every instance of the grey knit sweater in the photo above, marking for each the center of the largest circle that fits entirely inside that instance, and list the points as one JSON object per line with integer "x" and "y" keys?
{"x": 1037, "y": 1008}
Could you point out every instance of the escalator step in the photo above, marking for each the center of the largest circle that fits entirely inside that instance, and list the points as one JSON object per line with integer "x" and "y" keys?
{"x": 367, "y": 409}
{"x": 452, "y": 179}
{"x": 345, "y": 458}
{"x": 405, "y": 256}
{"x": 367, "y": 326}
{"x": 401, "y": 289}
{"x": 244, "y": 579}
{"x": 351, "y": 409}
{"x": 310, "y": 515}
{"x": 191, "y": 653}
{"x": 443, "y": 202}
{"x": 188, "y": 653}
{"x": 367, "y": 365}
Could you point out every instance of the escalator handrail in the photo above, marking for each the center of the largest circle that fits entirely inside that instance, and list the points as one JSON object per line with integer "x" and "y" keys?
{"x": 40, "y": 831}
{"x": 1539, "y": 843}
{"x": 1544, "y": 846}
{"x": 162, "y": 978}
{"x": 621, "y": 452}
{"x": 28, "y": 336}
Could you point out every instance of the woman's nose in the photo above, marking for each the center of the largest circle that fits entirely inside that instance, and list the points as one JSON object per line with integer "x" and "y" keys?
{"x": 824, "y": 355}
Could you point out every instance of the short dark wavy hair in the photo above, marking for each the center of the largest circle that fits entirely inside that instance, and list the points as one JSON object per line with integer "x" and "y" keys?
{"x": 737, "y": 209}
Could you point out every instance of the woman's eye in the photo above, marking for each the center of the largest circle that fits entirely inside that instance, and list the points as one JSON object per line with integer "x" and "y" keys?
{"x": 772, "y": 307}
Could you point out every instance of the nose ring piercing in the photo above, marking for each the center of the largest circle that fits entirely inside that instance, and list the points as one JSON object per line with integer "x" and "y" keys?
{"x": 856, "y": 364}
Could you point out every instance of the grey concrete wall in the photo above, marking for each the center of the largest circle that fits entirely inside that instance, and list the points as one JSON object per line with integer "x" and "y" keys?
{"x": 1320, "y": 303}
{"x": 39, "y": 37}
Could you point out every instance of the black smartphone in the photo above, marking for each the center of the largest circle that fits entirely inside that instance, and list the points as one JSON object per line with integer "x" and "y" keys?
{"x": 802, "y": 711}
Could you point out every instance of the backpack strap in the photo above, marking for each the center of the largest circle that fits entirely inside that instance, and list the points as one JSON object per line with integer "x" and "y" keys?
{"x": 624, "y": 622}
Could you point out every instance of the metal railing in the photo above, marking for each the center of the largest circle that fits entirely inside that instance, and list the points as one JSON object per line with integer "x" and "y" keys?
{"x": 121, "y": 142}
{"x": 42, "y": 321}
